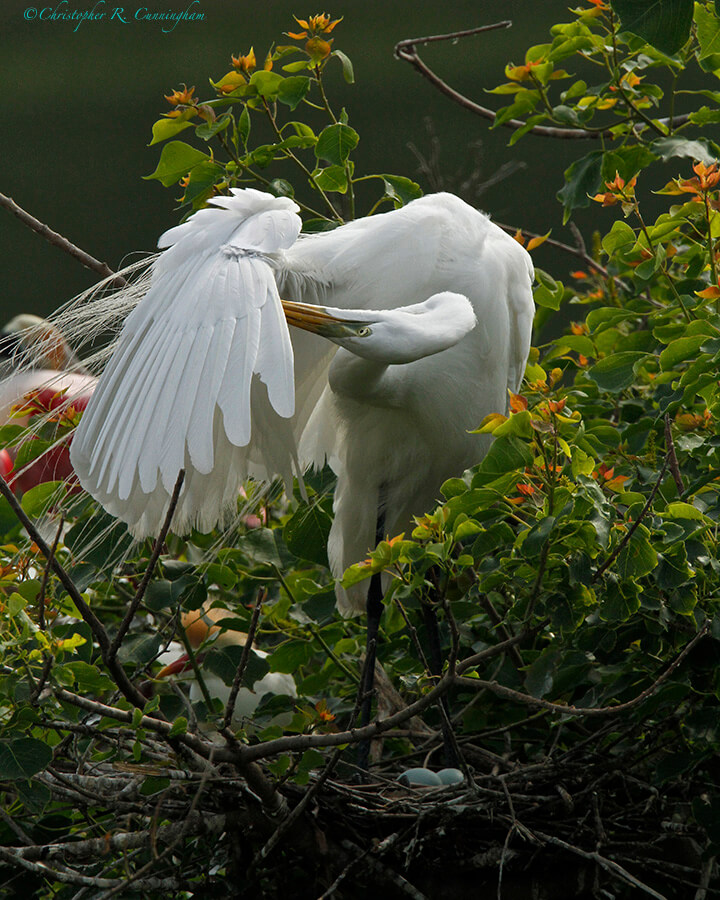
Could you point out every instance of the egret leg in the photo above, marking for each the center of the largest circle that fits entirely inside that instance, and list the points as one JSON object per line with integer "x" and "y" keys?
{"x": 374, "y": 609}
{"x": 435, "y": 661}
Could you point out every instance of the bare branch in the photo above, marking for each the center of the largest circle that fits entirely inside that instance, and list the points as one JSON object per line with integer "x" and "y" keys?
{"x": 672, "y": 457}
{"x": 155, "y": 556}
{"x": 57, "y": 240}
{"x": 242, "y": 665}
{"x": 502, "y": 691}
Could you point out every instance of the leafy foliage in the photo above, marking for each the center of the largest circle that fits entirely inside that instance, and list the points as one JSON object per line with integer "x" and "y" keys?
{"x": 575, "y": 568}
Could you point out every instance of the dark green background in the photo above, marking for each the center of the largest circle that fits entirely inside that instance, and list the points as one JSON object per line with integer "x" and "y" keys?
{"x": 78, "y": 108}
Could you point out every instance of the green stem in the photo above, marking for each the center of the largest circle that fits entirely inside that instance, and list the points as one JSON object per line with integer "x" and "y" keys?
{"x": 301, "y": 165}
{"x": 266, "y": 181}
{"x": 353, "y": 676}
{"x": 328, "y": 110}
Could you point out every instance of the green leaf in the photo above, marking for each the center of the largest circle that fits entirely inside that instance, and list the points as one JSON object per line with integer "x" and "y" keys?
{"x": 616, "y": 372}
{"x": 619, "y": 605}
{"x": 708, "y": 32}
{"x": 302, "y": 65}
{"x": 267, "y": 84}
{"x": 705, "y": 116}
{"x": 201, "y": 181}
{"x": 400, "y": 189}
{"x": 541, "y": 673}
{"x": 208, "y": 130}
{"x": 176, "y": 160}
{"x": 223, "y": 662}
{"x": 664, "y": 24}
{"x": 23, "y": 758}
{"x": 306, "y": 531}
{"x": 40, "y": 498}
{"x": 347, "y": 66}
{"x": 293, "y": 90}
{"x": 627, "y": 161}
{"x": 638, "y": 556}
{"x": 505, "y": 455}
{"x": 700, "y": 149}
{"x": 167, "y": 128}
{"x": 680, "y": 350}
{"x": 288, "y": 657}
{"x": 334, "y": 178}
{"x": 537, "y": 537}
{"x": 679, "y": 510}
{"x": 243, "y": 126}
{"x": 582, "y": 181}
{"x": 179, "y": 727}
{"x": 336, "y": 143}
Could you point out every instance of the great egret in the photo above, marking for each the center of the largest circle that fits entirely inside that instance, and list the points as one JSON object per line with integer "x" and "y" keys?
{"x": 431, "y": 307}
{"x": 203, "y": 629}
{"x": 55, "y": 380}
{"x": 206, "y": 377}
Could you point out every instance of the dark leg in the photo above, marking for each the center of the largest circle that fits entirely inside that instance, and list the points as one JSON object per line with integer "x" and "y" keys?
{"x": 367, "y": 681}
{"x": 435, "y": 661}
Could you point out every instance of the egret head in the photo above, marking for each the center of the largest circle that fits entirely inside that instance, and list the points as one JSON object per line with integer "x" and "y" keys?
{"x": 392, "y": 336}
{"x": 31, "y": 340}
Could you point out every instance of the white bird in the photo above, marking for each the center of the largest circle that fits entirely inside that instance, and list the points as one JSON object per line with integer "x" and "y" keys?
{"x": 39, "y": 371}
{"x": 205, "y": 376}
{"x": 34, "y": 356}
{"x": 204, "y": 626}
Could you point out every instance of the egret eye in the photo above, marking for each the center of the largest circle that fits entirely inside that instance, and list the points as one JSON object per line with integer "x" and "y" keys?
{"x": 364, "y": 331}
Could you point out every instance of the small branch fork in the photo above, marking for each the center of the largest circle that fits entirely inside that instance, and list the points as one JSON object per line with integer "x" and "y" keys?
{"x": 407, "y": 51}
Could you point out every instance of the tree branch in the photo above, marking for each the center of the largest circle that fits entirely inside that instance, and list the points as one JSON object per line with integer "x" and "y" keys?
{"x": 57, "y": 240}
{"x": 157, "y": 550}
{"x": 406, "y": 51}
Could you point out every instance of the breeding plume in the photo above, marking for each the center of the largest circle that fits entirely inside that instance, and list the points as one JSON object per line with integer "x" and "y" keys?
{"x": 430, "y": 306}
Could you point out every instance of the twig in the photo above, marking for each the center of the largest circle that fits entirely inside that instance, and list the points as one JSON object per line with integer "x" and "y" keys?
{"x": 672, "y": 457}
{"x": 295, "y": 814}
{"x": 46, "y": 575}
{"x": 155, "y": 556}
{"x": 242, "y": 665}
{"x": 57, "y": 240}
{"x": 502, "y": 691}
{"x": 580, "y": 251}
{"x": 631, "y": 530}
{"x": 608, "y": 864}
{"x": 405, "y": 50}
{"x": 85, "y": 611}
{"x": 705, "y": 877}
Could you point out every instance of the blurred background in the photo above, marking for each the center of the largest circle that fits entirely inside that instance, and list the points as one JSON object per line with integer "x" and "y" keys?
{"x": 79, "y": 106}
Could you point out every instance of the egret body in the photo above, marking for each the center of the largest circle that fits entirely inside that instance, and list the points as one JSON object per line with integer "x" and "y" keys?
{"x": 430, "y": 306}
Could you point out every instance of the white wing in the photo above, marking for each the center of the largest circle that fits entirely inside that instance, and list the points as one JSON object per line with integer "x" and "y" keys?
{"x": 204, "y": 363}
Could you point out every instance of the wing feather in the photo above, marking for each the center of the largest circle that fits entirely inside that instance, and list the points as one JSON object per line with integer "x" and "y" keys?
{"x": 177, "y": 391}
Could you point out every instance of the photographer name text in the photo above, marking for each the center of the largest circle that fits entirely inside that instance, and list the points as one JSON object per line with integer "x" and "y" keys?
{"x": 102, "y": 11}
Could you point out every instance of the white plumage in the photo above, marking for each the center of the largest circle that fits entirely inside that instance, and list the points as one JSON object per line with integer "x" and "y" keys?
{"x": 432, "y": 312}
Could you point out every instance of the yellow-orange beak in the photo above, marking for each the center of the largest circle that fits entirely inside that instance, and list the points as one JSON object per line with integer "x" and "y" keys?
{"x": 319, "y": 321}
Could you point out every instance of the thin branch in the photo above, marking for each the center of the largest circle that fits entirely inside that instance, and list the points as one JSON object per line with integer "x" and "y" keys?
{"x": 502, "y": 691}
{"x": 607, "y": 864}
{"x": 631, "y": 530}
{"x": 57, "y": 240}
{"x": 46, "y": 575}
{"x": 155, "y": 556}
{"x": 88, "y": 615}
{"x": 672, "y": 457}
{"x": 406, "y": 51}
{"x": 580, "y": 251}
{"x": 99, "y": 633}
{"x": 242, "y": 665}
